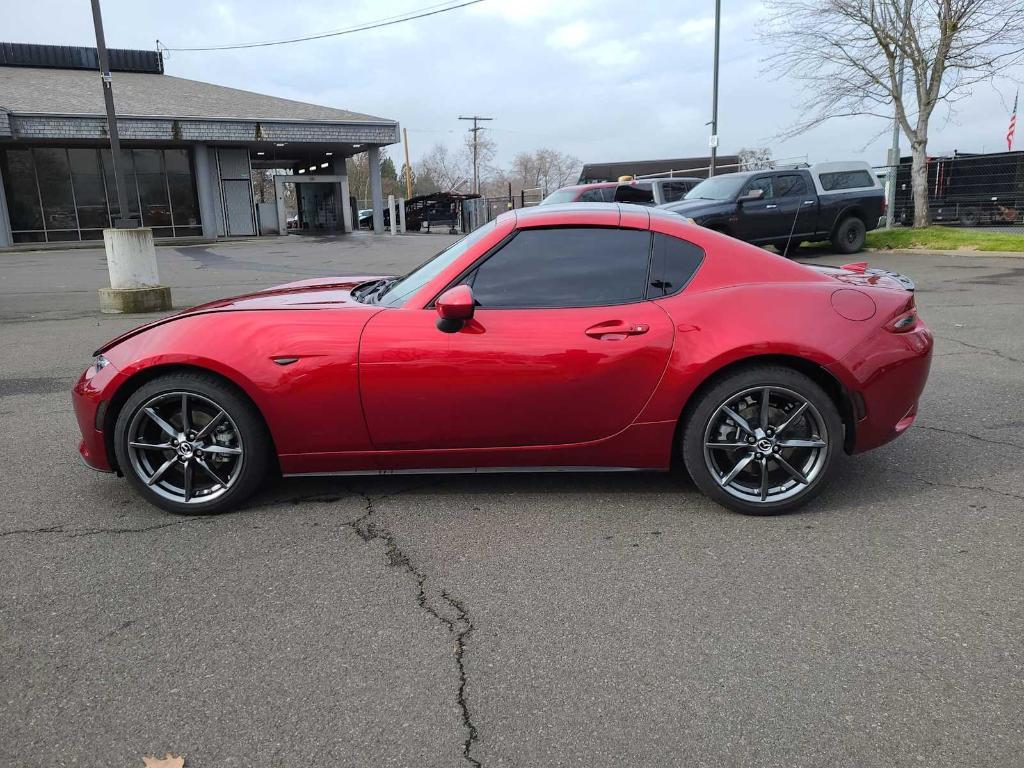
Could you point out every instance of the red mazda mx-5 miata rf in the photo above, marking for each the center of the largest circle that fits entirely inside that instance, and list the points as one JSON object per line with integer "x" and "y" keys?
{"x": 569, "y": 338}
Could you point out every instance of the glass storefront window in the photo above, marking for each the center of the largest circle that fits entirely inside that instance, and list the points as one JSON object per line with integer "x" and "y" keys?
{"x": 57, "y": 194}
{"x": 22, "y": 192}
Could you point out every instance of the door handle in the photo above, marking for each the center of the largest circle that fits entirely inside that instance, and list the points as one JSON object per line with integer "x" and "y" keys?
{"x": 771, "y": 205}
{"x": 615, "y": 329}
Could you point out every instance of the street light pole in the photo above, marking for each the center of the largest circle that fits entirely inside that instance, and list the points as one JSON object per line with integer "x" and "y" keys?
{"x": 714, "y": 92}
{"x": 894, "y": 149}
{"x": 124, "y": 220}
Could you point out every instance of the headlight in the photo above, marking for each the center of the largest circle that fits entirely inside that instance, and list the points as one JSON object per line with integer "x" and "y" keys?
{"x": 100, "y": 363}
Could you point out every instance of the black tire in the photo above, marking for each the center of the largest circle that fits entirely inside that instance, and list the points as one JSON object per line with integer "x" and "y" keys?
{"x": 849, "y": 236}
{"x": 970, "y": 217}
{"x": 241, "y": 430}
{"x": 787, "y": 248}
{"x": 702, "y": 422}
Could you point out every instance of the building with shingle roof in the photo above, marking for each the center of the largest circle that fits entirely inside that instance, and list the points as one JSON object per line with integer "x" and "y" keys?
{"x": 189, "y": 149}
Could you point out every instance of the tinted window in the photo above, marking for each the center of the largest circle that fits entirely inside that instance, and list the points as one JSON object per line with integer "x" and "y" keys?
{"x": 599, "y": 195}
{"x": 765, "y": 183}
{"x": 673, "y": 263}
{"x": 631, "y": 193}
{"x": 845, "y": 180}
{"x": 790, "y": 186}
{"x": 674, "y": 190}
{"x": 568, "y": 267}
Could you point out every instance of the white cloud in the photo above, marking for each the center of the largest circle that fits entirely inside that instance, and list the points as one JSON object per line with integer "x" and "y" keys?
{"x": 696, "y": 30}
{"x": 571, "y": 35}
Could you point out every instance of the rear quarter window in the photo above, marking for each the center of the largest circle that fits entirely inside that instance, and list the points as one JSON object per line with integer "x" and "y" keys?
{"x": 674, "y": 262}
{"x": 838, "y": 180}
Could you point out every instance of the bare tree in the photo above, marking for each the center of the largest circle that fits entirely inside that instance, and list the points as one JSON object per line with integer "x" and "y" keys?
{"x": 547, "y": 169}
{"x": 755, "y": 158}
{"x": 849, "y": 54}
{"x": 446, "y": 169}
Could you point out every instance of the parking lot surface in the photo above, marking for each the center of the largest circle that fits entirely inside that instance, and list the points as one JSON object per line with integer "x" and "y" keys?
{"x": 555, "y": 620}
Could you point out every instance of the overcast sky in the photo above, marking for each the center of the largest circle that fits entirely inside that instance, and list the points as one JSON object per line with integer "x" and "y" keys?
{"x": 601, "y": 79}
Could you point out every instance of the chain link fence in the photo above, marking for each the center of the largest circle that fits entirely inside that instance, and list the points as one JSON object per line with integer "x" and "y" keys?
{"x": 963, "y": 190}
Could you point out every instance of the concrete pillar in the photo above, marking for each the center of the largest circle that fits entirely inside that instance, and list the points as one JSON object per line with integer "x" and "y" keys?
{"x": 401, "y": 215}
{"x": 392, "y": 215}
{"x": 6, "y": 238}
{"x": 208, "y": 188}
{"x": 376, "y": 193}
{"x": 282, "y": 216}
{"x": 338, "y": 166}
{"x": 134, "y": 281}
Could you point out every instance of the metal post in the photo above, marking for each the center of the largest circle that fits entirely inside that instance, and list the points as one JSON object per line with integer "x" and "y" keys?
{"x": 714, "y": 92}
{"x": 124, "y": 221}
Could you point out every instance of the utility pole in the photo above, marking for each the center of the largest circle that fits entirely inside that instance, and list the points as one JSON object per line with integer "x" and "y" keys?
{"x": 894, "y": 149}
{"x": 124, "y": 220}
{"x": 408, "y": 170}
{"x": 714, "y": 93}
{"x": 475, "y": 130}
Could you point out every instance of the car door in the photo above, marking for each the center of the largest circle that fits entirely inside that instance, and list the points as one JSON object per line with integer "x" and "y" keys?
{"x": 796, "y": 207}
{"x": 563, "y": 348}
{"x": 757, "y": 218}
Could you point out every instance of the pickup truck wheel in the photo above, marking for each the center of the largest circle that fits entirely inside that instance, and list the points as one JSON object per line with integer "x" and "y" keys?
{"x": 849, "y": 236}
{"x": 969, "y": 217}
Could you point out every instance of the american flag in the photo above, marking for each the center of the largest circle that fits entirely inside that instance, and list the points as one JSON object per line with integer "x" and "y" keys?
{"x": 1013, "y": 124}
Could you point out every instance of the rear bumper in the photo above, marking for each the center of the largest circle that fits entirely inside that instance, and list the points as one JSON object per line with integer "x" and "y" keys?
{"x": 888, "y": 372}
{"x": 89, "y": 398}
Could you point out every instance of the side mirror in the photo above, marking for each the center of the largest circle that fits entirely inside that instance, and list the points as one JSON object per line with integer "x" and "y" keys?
{"x": 454, "y": 307}
{"x": 750, "y": 195}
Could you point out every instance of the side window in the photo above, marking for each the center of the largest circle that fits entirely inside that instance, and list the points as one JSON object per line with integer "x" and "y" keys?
{"x": 634, "y": 193}
{"x": 765, "y": 183}
{"x": 845, "y": 180}
{"x": 594, "y": 195}
{"x": 674, "y": 190}
{"x": 790, "y": 186}
{"x": 673, "y": 263}
{"x": 565, "y": 267}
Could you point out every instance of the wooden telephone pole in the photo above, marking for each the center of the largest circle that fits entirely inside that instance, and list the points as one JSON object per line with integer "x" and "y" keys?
{"x": 408, "y": 169}
{"x": 475, "y": 130}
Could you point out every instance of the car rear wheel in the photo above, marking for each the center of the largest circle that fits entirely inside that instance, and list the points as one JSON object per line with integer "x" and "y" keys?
{"x": 849, "y": 236}
{"x": 762, "y": 440}
{"x": 189, "y": 443}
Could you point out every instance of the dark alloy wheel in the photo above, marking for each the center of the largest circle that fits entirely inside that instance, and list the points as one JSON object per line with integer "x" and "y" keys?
{"x": 761, "y": 441}
{"x": 849, "y": 236}
{"x": 191, "y": 444}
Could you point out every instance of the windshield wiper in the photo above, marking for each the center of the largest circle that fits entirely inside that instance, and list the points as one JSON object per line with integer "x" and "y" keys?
{"x": 377, "y": 292}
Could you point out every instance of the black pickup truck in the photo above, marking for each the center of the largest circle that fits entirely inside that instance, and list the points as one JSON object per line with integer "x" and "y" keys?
{"x": 828, "y": 201}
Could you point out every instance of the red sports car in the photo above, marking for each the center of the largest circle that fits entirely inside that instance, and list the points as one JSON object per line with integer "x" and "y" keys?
{"x": 567, "y": 338}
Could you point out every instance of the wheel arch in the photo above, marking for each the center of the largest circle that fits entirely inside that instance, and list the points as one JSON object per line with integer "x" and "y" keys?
{"x": 143, "y": 376}
{"x": 844, "y": 401}
{"x": 854, "y": 210}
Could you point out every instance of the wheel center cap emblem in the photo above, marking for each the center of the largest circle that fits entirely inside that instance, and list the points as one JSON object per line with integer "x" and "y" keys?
{"x": 185, "y": 450}
{"x": 764, "y": 445}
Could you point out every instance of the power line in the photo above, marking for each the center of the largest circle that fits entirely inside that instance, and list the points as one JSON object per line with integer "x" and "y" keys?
{"x": 431, "y": 10}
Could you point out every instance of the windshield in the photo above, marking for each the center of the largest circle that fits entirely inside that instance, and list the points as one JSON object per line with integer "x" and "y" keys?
{"x": 566, "y": 195}
{"x": 718, "y": 188}
{"x": 423, "y": 274}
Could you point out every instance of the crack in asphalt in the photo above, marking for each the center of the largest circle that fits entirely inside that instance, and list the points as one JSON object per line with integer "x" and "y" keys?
{"x": 983, "y": 350}
{"x": 459, "y": 625}
{"x": 74, "y": 533}
{"x": 985, "y": 488}
{"x": 970, "y": 435}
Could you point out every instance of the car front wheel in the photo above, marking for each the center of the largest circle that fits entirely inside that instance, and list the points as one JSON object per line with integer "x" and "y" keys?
{"x": 762, "y": 440}
{"x": 190, "y": 443}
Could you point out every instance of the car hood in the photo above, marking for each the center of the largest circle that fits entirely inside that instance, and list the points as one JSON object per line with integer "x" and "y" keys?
{"x": 696, "y": 207}
{"x": 316, "y": 293}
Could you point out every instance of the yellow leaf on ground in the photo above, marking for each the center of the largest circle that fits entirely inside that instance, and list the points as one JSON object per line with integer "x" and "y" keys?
{"x": 167, "y": 761}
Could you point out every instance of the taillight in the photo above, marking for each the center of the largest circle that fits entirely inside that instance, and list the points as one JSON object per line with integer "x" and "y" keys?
{"x": 905, "y": 320}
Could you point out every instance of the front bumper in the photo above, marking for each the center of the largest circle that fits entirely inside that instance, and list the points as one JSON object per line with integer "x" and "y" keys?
{"x": 90, "y": 398}
{"x": 888, "y": 372}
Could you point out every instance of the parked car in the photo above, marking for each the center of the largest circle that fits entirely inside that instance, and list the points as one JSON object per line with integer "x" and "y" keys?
{"x": 573, "y": 337}
{"x": 839, "y": 201}
{"x": 639, "y": 192}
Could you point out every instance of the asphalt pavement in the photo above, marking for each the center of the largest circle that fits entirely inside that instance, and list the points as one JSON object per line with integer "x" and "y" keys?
{"x": 550, "y": 620}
